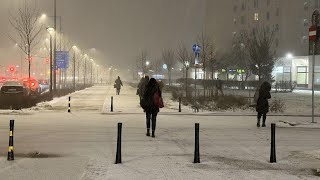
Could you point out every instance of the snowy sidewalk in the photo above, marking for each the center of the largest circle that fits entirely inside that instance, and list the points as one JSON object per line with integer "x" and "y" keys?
{"x": 81, "y": 145}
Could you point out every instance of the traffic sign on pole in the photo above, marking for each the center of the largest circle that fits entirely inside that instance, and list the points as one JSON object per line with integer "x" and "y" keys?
{"x": 313, "y": 33}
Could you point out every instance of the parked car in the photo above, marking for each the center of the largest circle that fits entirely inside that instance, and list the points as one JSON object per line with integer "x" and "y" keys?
{"x": 44, "y": 85}
{"x": 13, "y": 93}
{"x": 32, "y": 85}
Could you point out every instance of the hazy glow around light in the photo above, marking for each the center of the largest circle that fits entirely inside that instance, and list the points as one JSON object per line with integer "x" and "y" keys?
{"x": 289, "y": 56}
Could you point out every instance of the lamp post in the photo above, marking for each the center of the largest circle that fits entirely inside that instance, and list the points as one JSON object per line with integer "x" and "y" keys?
{"x": 74, "y": 67}
{"x": 315, "y": 24}
{"x": 187, "y": 64}
{"x": 50, "y": 31}
{"x": 85, "y": 70}
{"x": 196, "y": 49}
{"x": 91, "y": 71}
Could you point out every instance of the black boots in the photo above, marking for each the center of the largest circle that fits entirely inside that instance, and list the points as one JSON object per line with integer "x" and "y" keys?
{"x": 264, "y": 123}
{"x": 148, "y": 133}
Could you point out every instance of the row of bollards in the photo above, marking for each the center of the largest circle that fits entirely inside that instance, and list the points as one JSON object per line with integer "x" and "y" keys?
{"x": 197, "y": 144}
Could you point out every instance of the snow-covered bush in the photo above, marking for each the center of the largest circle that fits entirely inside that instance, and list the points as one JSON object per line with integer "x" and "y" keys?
{"x": 277, "y": 105}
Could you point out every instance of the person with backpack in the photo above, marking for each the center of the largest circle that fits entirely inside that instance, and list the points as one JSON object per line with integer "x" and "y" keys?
{"x": 262, "y": 106}
{"x": 151, "y": 102}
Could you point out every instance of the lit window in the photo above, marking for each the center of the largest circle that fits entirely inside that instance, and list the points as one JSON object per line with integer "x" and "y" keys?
{"x": 256, "y": 16}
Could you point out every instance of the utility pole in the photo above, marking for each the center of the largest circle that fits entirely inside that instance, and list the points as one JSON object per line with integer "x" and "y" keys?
{"x": 74, "y": 70}
{"x": 313, "y": 33}
{"x": 55, "y": 48}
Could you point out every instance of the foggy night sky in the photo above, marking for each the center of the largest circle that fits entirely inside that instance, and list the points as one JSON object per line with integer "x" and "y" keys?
{"x": 120, "y": 29}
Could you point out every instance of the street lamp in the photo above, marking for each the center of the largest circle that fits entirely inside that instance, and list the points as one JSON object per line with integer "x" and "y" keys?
{"x": 74, "y": 67}
{"x": 91, "y": 70}
{"x": 50, "y": 31}
{"x": 85, "y": 70}
{"x": 289, "y": 56}
{"x": 187, "y": 64}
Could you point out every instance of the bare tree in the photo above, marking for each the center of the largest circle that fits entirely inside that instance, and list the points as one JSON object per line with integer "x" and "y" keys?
{"x": 157, "y": 66}
{"x": 141, "y": 62}
{"x": 169, "y": 59}
{"x": 261, "y": 51}
{"x": 27, "y": 29}
{"x": 207, "y": 50}
{"x": 186, "y": 58}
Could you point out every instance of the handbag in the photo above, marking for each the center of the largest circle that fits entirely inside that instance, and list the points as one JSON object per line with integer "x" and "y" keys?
{"x": 158, "y": 101}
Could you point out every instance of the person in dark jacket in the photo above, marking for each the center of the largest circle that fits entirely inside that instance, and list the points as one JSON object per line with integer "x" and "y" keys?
{"x": 149, "y": 105}
{"x": 219, "y": 87}
{"x": 142, "y": 86}
{"x": 117, "y": 85}
{"x": 262, "y": 104}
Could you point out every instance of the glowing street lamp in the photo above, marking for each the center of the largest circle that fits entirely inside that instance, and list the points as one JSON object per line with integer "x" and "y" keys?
{"x": 289, "y": 56}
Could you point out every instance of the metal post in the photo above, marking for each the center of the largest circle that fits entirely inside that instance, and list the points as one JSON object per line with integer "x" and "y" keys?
{"x": 118, "y": 154}
{"x": 273, "y": 158}
{"x": 74, "y": 70}
{"x": 10, "y": 149}
{"x": 69, "y": 105}
{"x": 196, "y": 149}
{"x": 187, "y": 81}
{"x": 313, "y": 67}
{"x": 51, "y": 68}
{"x": 55, "y": 47}
{"x": 179, "y": 104}
{"x": 111, "y": 103}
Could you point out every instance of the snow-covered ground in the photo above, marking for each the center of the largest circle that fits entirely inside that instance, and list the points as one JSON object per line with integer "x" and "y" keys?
{"x": 82, "y": 144}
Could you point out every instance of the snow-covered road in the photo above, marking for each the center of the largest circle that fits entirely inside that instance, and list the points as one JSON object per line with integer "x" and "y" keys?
{"x": 82, "y": 144}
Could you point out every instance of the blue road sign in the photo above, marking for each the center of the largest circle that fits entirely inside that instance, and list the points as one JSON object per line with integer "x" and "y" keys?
{"x": 62, "y": 59}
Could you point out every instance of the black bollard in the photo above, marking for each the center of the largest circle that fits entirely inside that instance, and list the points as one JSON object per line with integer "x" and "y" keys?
{"x": 179, "y": 104}
{"x": 69, "y": 106}
{"x": 10, "y": 150}
{"x": 111, "y": 103}
{"x": 196, "y": 149}
{"x": 273, "y": 144}
{"x": 118, "y": 154}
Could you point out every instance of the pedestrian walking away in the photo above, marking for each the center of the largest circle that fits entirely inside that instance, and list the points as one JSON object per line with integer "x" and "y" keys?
{"x": 117, "y": 85}
{"x": 219, "y": 87}
{"x": 142, "y": 86}
{"x": 262, "y": 107}
{"x": 151, "y": 102}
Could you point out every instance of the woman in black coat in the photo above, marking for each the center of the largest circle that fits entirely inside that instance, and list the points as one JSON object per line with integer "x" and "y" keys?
{"x": 262, "y": 104}
{"x": 149, "y": 105}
